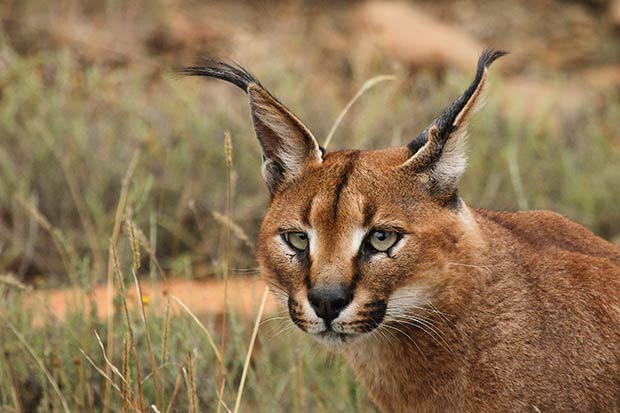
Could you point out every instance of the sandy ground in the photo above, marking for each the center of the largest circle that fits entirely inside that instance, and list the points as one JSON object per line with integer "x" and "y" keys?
{"x": 201, "y": 297}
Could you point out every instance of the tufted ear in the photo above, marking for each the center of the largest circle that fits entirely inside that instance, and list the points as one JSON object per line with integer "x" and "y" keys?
{"x": 287, "y": 145}
{"x": 439, "y": 150}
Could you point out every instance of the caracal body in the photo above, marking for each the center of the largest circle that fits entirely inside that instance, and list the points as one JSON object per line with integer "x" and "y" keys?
{"x": 438, "y": 307}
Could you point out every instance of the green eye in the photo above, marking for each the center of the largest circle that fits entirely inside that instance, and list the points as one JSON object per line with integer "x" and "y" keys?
{"x": 297, "y": 240}
{"x": 382, "y": 240}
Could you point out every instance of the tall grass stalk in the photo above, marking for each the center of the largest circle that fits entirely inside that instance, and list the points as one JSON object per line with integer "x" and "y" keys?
{"x": 191, "y": 383}
{"x": 126, "y": 386}
{"x": 216, "y": 352}
{"x": 135, "y": 247}
{"x": 228, "y": 156}
{"x": 177, "y": 386}
{"x": 118, "y": 219}
{"x": 149, "y": 344}
{"x": 123, "y": 296}
{"x": 164, "y": 350}
{"x": 248, "y": 356}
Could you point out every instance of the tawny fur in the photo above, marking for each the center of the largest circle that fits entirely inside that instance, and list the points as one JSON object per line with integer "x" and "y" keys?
{"x": 471, "y": 310}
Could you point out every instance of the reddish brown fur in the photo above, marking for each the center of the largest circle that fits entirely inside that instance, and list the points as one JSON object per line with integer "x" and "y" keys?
{"x": 533, "y": 301}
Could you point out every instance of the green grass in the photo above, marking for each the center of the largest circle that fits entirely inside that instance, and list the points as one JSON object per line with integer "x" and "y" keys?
{"x": 69, "y": 129}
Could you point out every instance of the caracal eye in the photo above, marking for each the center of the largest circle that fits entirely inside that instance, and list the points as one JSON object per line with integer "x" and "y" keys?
{"x": 382, "y": 240}
{"x": 297, "y": 240}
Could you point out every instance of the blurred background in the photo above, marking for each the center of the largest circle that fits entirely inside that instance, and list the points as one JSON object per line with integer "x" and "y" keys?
{"x": 93, "y": 116}
{"x": 86, "y": 84}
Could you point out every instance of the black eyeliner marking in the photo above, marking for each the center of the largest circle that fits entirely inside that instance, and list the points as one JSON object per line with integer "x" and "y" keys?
{"x": 305, "y": 214}
{"x": 344, "y": 178}
{"x": 370, "y": 209}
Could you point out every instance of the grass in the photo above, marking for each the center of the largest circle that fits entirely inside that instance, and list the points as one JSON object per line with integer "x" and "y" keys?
{"x": 109, "y": 171}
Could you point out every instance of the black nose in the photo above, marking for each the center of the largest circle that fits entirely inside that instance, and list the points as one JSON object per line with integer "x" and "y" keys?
{"x": 329, "y": 300}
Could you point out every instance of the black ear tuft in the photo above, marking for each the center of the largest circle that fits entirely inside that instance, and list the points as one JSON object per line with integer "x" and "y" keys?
{"x": 488, "y": 56}
{"x": 234, "y": 74}
{"x": 445, "y": 123}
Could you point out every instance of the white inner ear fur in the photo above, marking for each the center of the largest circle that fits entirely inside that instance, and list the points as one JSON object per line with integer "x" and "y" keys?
{"x": 290, "y": 148}
{"x": 453, "y": 160}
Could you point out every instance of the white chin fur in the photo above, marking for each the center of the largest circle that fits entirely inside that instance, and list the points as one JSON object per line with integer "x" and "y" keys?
{"x": 337, "y": 341}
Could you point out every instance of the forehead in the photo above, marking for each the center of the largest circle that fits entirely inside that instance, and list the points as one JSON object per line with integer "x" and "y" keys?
{"x": 348, "y": 186}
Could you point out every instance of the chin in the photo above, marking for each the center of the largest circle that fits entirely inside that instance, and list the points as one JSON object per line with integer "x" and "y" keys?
{"x": 338, "y": 341}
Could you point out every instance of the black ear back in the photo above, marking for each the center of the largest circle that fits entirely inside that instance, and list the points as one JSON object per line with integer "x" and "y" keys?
{"x": 439, "y": 150}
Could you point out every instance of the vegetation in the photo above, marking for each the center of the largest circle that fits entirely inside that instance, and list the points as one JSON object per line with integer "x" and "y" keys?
{"x": 113, "y": 168}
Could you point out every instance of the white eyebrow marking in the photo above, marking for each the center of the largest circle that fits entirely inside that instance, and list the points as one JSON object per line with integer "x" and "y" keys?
{"x": 312, "y": 241}
{"x": 357, "y": 238}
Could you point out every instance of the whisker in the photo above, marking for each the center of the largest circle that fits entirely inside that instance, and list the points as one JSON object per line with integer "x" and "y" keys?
{"x": 428, "y": 328}
{"x": 406, "y": 335}
{"x": 285, "y": 329}
{"x": 273, "y": 319}
{"x": 432, "y": 310}
{"x": 381, "y": 333}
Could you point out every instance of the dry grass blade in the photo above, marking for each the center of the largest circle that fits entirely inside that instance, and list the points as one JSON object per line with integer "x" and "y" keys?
{"x": 164, "y": 351}
{"x": 41, "y": 365}
{"x": 366, "y": 86}
{"x": 220, "y": 395}
{"x": 221, "y": 368}
{"x": 515, "y": 178}
{"x": 100, "y": 371}
{"x": 118, "y": 219}
{"x": 191, "y": 385}
{"x": 175, "y": 390}
{"x": 126, "y": 387}
{"x": 248, "y": 356}
{"x": 9, "y": 280}
{"x": 148, "y": 247}
{"x": 135, "y": 246}
{"x": 65, "y": 255}
{"x": 123, "y": 295}
{"x": 149, "y": 344}
{"x": 234, "y": 227}
{"x": 202, "y": 327}
{"x": 112, "y": 367}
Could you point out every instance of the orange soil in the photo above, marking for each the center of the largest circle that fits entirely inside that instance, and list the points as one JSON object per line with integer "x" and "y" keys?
{"x": 201, "y": 297}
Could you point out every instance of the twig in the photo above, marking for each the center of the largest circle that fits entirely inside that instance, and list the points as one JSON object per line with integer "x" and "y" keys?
{"x": 367, "y": 85}
{"x": 249, "y": 354}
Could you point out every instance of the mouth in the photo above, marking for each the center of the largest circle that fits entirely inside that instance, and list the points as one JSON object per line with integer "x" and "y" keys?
{"x": 334, "y": 339}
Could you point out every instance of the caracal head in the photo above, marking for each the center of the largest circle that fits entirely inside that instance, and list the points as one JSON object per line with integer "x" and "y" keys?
{"x": 353, "y": 240}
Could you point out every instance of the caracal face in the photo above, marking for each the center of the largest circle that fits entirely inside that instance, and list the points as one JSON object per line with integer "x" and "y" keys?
{"x": 352, "y": 245}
